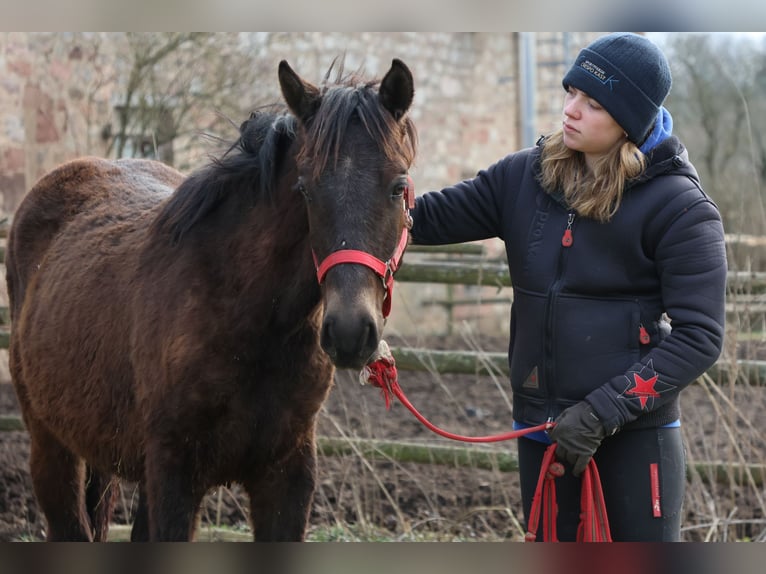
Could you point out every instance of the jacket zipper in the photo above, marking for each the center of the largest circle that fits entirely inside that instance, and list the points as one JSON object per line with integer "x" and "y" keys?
{"x": 567, "y": 239}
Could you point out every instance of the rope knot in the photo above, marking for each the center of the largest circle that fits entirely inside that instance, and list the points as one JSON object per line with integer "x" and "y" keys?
{"x": 381, "y": 372}
{"x": 555, "y": 470}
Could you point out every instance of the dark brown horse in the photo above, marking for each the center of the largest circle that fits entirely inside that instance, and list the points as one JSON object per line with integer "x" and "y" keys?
{"x": 173, "y": 332}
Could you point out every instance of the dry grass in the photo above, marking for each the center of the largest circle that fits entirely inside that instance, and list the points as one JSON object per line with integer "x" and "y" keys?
{"x": 377, "y": 498}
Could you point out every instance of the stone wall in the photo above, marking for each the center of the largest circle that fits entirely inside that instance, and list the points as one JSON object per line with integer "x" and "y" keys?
{"x": 51, "y": 97}
{"x": 57, "y": 92}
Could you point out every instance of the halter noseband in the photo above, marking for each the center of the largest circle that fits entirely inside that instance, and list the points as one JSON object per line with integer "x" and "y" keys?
{"x": 384, "y": 269}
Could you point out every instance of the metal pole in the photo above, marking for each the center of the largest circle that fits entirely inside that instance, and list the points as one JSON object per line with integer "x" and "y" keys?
{"x": 528, "y": 88}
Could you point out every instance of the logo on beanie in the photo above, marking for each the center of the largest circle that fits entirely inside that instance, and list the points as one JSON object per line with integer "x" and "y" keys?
{"x": 598, "y": 73}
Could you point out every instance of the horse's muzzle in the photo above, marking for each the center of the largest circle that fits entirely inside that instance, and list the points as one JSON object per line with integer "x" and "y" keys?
{"x": 350, "y": 338}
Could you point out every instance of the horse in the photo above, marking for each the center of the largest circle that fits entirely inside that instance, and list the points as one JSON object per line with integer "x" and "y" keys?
{"x": 182, "y": 333}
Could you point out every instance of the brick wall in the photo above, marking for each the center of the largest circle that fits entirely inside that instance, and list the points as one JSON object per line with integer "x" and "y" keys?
{"x": 57, "y": 90}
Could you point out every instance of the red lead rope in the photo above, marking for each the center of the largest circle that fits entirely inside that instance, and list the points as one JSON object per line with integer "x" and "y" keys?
{"x": 594, "y": 524}
{"x": 382, "y": 373}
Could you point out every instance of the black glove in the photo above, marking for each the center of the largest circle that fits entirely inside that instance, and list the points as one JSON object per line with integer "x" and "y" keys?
{"x": 578, "y": 432}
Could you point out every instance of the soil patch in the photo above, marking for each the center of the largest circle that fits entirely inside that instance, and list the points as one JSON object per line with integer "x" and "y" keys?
{"x": 406, "y": 500}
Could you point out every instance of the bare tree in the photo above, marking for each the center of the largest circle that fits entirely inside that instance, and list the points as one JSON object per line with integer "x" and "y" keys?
{"x": 175, "y": 85}
{"x": 718, "y": 102}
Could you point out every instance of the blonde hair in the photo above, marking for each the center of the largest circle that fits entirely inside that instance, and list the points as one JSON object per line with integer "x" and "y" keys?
{"x": 595, "y": 194}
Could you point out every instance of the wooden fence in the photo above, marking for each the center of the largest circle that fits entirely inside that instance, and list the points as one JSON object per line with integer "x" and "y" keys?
{"x": 466, "y": 264}
{"x": 474, "y": 268}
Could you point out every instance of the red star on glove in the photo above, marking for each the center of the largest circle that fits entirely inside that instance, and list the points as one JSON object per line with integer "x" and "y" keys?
{"x": 644, "y": 388}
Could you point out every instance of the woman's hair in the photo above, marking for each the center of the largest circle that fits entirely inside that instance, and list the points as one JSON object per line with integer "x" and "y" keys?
{"x": 595, "y": 194}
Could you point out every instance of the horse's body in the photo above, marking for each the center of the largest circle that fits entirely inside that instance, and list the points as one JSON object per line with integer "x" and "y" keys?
{"x": 170, "y": 330}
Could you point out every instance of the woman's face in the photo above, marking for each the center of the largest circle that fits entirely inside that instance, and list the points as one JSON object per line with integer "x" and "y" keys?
{"x": 588, "y": 127}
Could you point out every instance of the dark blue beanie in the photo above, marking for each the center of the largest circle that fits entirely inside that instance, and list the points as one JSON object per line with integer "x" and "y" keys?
{"x": 628, "y": 75}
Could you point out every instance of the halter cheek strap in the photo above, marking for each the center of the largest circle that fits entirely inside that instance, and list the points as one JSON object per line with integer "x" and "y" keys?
{"x": 384, "y": 269}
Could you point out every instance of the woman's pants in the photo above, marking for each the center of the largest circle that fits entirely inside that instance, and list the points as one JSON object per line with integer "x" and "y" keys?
{"x": 643, "y": 476}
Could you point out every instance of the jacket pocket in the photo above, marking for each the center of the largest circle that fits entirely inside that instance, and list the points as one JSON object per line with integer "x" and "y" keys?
{"x": 592, "y": 340}
{"x": 527, "y": 343}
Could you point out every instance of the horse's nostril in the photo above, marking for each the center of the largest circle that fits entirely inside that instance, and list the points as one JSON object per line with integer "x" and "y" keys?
{"x": 373, "y": 338}
{"x": 327, "y": 339}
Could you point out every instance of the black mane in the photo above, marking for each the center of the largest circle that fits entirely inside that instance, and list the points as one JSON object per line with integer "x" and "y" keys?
{"x": 253, "y": 161}
{"x": 251, "y": 164}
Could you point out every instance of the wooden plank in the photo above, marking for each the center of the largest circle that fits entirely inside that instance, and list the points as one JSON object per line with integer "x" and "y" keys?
{"x": 504, "y": 461}
{"x": 451, "y": 248}
{"x": 450, "y": 361}
{"x": 472, "y": 456}
{"x": 121, "y": 533}
{"x": 447, "y": 455}
{"x": 491, "y": 273}
{"x": 10, "y": 423}
{"x": 495, "y": 273}
{"x": 468, "y": 301}
{"x": 483, "y": 363}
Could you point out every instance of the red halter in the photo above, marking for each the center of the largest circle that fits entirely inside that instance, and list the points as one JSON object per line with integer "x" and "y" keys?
{"x": 384, "y": 269}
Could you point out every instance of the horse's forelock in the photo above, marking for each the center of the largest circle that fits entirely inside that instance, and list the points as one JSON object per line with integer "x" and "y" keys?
{"x": 396, "y": 139}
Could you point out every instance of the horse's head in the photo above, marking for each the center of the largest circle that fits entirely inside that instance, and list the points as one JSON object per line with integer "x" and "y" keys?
{"x": 356, "y": 147}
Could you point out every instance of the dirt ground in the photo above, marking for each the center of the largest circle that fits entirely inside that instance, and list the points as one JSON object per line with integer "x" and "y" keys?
{"x": 384, "y": 499}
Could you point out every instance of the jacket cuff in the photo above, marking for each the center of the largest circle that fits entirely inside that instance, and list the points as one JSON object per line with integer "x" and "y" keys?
{"x": 607, "y": 410}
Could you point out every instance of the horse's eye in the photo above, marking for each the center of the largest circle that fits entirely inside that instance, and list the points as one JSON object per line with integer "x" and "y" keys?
{"x": 400, "y": 187}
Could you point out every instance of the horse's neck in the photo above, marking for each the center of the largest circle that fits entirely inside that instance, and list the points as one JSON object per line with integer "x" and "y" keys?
{"x": 269, "y": 238}
{"x": 275, "y": 266}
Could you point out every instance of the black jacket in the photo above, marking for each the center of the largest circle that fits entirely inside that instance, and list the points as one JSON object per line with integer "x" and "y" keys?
{"x": 587, "y": 319}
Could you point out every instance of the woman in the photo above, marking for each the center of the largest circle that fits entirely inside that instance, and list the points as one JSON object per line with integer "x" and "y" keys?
{"x": 608, "y": 233}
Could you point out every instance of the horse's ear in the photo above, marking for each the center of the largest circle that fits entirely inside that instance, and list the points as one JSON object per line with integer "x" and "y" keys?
{"x": 302, "y": 97}
{"x": 397, "y": 89}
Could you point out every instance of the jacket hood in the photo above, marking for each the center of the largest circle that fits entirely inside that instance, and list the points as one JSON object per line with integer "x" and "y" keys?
{"x": 669, "y": 156}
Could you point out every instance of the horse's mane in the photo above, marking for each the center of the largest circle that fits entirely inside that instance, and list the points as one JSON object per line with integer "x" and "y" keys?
{"x": 253, "y": 161}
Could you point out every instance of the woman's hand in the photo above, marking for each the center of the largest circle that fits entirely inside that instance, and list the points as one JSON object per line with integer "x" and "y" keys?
{"x": 578, "y": 433}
